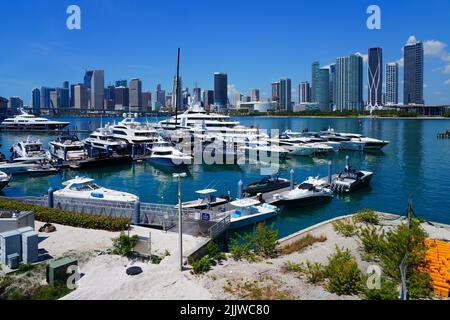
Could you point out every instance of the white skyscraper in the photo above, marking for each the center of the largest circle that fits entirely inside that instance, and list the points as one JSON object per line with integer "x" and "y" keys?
{"x": 392, "y": 83}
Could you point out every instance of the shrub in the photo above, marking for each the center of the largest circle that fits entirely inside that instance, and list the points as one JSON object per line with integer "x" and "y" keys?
{"x": 301, "y": 244}
{"x": 371, "y": 240}
{"x": 124, "y": 245}
{"x": 25, "y": 267}
{"x": 387, "y": 291}
{"x": 366, "y": 216}
{"x": 262, "y": 243}
{"x": 214, "y": 252}
{"x": 201, "y": 266}
{"x": 344, "y": 228}
{"x": 242, "y": 250}
{"x": 344, "y": 276}
{"x": 315, "y": 272}
{"x": 290, "y": 266}
{"x": 67, "y": 218}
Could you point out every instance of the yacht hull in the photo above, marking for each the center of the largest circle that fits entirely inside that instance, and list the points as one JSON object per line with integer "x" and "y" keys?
{"x": 238, "y": 223}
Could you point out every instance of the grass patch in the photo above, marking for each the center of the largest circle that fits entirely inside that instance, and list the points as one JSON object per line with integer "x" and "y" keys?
{"x": 301, "y": 244}
{"x": 262, "y": 289}
{"x": 366, "y": 216}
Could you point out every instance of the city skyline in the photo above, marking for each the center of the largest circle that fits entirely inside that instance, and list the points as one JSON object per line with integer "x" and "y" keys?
{"x": 51, "y": 53}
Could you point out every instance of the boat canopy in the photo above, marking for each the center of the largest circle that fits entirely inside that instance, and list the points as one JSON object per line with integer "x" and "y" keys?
{"x": 206, "y": 191}
{"x": 244, "y": 203}
{"x": 78, "y": 180}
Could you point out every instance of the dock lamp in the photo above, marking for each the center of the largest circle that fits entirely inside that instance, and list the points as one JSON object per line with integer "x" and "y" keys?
{"x": 179, "y": 176}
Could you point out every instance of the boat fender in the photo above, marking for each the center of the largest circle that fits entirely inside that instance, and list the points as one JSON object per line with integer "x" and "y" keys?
{"x": 97, "y": 195}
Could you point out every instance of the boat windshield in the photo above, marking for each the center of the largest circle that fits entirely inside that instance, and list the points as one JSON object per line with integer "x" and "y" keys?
{"x": 306, "y": 186}
{"x": 33, "y": 147}
{"x": 89, "y": 186}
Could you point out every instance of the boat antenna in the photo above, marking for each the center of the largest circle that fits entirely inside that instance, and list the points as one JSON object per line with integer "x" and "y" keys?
{"x": 177, "y": 98}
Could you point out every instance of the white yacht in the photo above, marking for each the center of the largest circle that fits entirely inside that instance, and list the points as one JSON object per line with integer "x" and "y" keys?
{"x": 309, "y": 192}
{"x": 103, "y": 139}
{"x": 250, "y": 211}
{"x": 164, "y": 154}
{"x": 134, "y": 132}
{"x": 82, "y": 188}
{"x": 262, "y": 149}
{"x": 300, "y": 146}
{"x": 363, "y": 141}
{"x": 30, "y": 150}
{"x": 25, "y": 121}
{"x": 313, "y": 137}
{"x": 68, "y": 148}
{"x": 4, "y": 180}
{"x": 206, "y": 200}
{"x": 345, "y": 142}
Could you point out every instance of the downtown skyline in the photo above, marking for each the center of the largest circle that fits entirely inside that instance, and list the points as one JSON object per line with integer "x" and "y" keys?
{"x": 48, "y": 58}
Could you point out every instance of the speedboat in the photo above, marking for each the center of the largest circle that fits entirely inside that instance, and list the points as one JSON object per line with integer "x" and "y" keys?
{"x": 309, "y": 192}
{"x": 25, "y": 121}
{"x": 68, "y": 148}
{"x": 267, "y": 184}
{"x": 4, "y": 180}
{"x": 30, "y": 150}
{"x": 350, "y": 180}
{"x": 206, "y": 200}
{"x": 82, "y": 188}
{"x": 164, "y": 154}
{"x": 250, "y": 211}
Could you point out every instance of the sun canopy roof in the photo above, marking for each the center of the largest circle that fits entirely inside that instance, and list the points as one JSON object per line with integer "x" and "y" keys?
{"x": 206, "y": 191}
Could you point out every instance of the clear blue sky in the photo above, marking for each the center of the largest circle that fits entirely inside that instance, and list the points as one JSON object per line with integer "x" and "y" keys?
{"x": 255, "y": 42}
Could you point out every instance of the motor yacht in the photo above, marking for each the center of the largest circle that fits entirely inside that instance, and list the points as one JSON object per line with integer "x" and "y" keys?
{"x": 267, "y": 184}
{"x": 313, "y": 138}
{"x": 82, "y": 188}
{"x": 134, "y": 132}
{"x": 164, "y": 154}
{"x": 309, "y": 192}
{"x": 103, "y": 140}
{"x": 350, "y": 180}
{"x": 4, "y": 180}
{"x": 25, "y": 121}
{"x": 29, "y": 150}
{"x": 206, "y": 200}
{"x": 259, "y": 150}
{"x": 250, "y": 211}
{"x": 366, "y": 142}
{"x": 68, "y": 148}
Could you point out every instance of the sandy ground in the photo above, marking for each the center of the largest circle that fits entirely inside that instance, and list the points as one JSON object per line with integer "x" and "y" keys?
{"x": 104, "y": 276}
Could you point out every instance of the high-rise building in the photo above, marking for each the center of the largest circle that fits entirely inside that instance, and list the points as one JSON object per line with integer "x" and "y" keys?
{"x": 220, "y": 89}
{"x": 97, "y": 89}
{"x": 122, "y": 83}
{"x": 64, "y": 97}
{"x": 122, "y": 99}
{"x": 146, "y": 101}
{"x": 304, "y": 92}
{"x": 36, "y": 101}
{"x": 54, "y": 101}
{"x": 237, "y": 99}
{"x": 65, "y": 84}
{"x": 3, "y": 107}
{"x": 332, "y": 85}
{"x": 110, "y": 98}
{"x": 15, "y": 103}
{"x": 177, "y": 94}
{"x": 160, "y": 96}
{"x": 254, "y": 94}
{"x": 72, "y": 94}
{"x": 208, "y": 99}
{"x": 413, "y": 74}
{"x": 88, "y": 78}
{"x": 81, "y": 97}
{"x": 185, "y": 98}
{"x": 392, "y": 83}
{"x": 45, "y": 97}
{"x": 315, "y": 81}
{"x": 276, "y": 94}
{"x": 323, "y": 89}
{"x": 285, "y": 94}
{"x": 375, "y": 81}
{"x": 349, "y": 83}
{"x": 135, "y": 95}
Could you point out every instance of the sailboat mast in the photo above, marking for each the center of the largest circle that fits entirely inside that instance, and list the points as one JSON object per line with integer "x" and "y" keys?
{"x": 177, "y": 98}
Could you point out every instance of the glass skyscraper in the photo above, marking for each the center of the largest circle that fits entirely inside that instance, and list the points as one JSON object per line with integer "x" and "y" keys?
{"x": 375, "y": 81}
{"x": 285, "y": 94}
{"x": 315, "y": 81}
{"x": 349, "y": 83}
{"x": 413, "y": 74}
{"x": 323, "y": 89}
{"x": 220, "y": 89}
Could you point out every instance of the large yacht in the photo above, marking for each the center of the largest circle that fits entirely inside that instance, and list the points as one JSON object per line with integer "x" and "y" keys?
{"x": 164, "y": 154}
{"x": 68, "y": 148}
{"x": 134, "y": 132}
{"x": 368, "y": 143}
{"x": 25, "y": 121}
{"x": 103, "y": 140}
{"x": 30, "y": 150}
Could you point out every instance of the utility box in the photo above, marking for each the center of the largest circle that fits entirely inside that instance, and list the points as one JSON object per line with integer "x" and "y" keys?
{"x": 57, "y": 271}
{"x": 10, "y": 243}
{"x": 13, "y": 261}
{"x": 30, "y": 247}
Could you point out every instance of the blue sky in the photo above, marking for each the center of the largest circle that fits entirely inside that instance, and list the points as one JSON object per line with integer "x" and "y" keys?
{"x": 255, "y": 42}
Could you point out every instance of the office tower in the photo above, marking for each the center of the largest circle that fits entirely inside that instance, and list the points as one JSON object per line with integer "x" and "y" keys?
{"x": 72, "y": 94}
{"x": 88, "y": 78}
{"x": 122, "y": 83}
{"x": 110, "y": 98}
{"x": 135, "y": 95}
{"x": 392, "y": 83}
{"x": 36, "y": 101}
{"x": 45, "y": 97}
{"x": 122, "y": 99}
{"x": 146, "y": 101}
{"x": 3, "y": 107}
{"x": 54, "y": 101}
{"x": 197, "y": 94}
{"x": 177, "y": 94}
{"x": 81, "y": 97}
{"x": 285, "y": 95}
{"x": 323, "y": 89}
{"x": 349, "y": 83}
{"x": 64, "y": 97}
{"x": 97, "y": 89}
{"x": 245, "y": 98}
{"x": 304, "y": 92}
{"x": 237, "y": 99}
{"x": 65, "y": 85}
{"x": 314, "y": 81}
{"x": 160, "y": 96}
{"x": 15, "y": 104}
{"x": 220, "y": 89}
{"x": 413, "y": 74}
{"x": 276, "y": 94}
{"x": 254, "y": 94}
{"x": 375, "y": 80}
{"x": 208, "y": 98}
{"x": 332, "y": 85}
{"x": 185, "y": 98}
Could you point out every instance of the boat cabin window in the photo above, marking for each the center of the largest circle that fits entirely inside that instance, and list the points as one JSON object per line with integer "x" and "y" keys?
{"x": 33, "y": 147}
{"x": 163, "y": 153}
{"x": 306, "y": 186}
{"x": 89, "y": 186}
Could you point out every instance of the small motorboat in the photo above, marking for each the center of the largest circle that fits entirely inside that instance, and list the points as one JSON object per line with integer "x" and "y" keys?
{"x": 309, "y": 192}
{"x": 4, "y": 180}
{"x": 82, "y": 188}
{"x": 267, "y": 184}
{"x": 207, "y": 200}
{"x": 250, "y": 211}
{"x": 350, "y": 180}
{"x": 164, "y": 154}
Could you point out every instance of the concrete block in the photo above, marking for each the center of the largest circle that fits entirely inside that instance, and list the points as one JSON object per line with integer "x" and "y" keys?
{"x": 30, "y": 247}
{"x": 10, "y": 243}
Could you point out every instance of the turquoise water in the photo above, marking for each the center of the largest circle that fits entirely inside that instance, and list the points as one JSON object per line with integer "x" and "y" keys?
{"x": 416, "y": 164}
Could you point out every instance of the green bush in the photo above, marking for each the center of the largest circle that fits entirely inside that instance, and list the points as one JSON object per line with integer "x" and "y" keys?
{"x": 372, "y": 240}
{"x": 201, "y": 266}
{"x": 241, "y": 250}
{"x": 290, "y": 266}
{"x": 124, "y": 245}
{"x": 387, "y": 291}
{"x": 344, "y": 276}
{"x": 265, "y": 242}
{"x": 315, "y": 272}
{"x": 344, "y": 228}
{"x": 67, "y": 218}
{"x": 366, "y": 216}
{"x": 214, "y": 253}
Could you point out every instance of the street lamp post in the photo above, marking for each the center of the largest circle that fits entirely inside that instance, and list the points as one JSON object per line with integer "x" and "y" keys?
{"x": 179, "y": 176}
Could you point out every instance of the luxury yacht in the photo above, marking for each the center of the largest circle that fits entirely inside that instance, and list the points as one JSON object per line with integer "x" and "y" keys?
{"x": 267, "y": 184}
{"x": 164, "y": 154}
{"x": 345, "y": 142}
{"x": 261, "y": 149}
{"x": 301, "y": 146}
{"x": 308, "y": 192}
{"x": 82, "y": 188}
{"x": 30, "y": 150}
{"x": 4, "y": 180}
{"x": 350, "y": 180}
{"x": 134, "y": 132}
{"x": 68, "y": 148}
{"x": 25, "y": 121}
{"x": 103, "y": 140}
{"x": 313, "y": 137}
{"x": 368, "y": 143}
{"x": 250, "y": 211}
